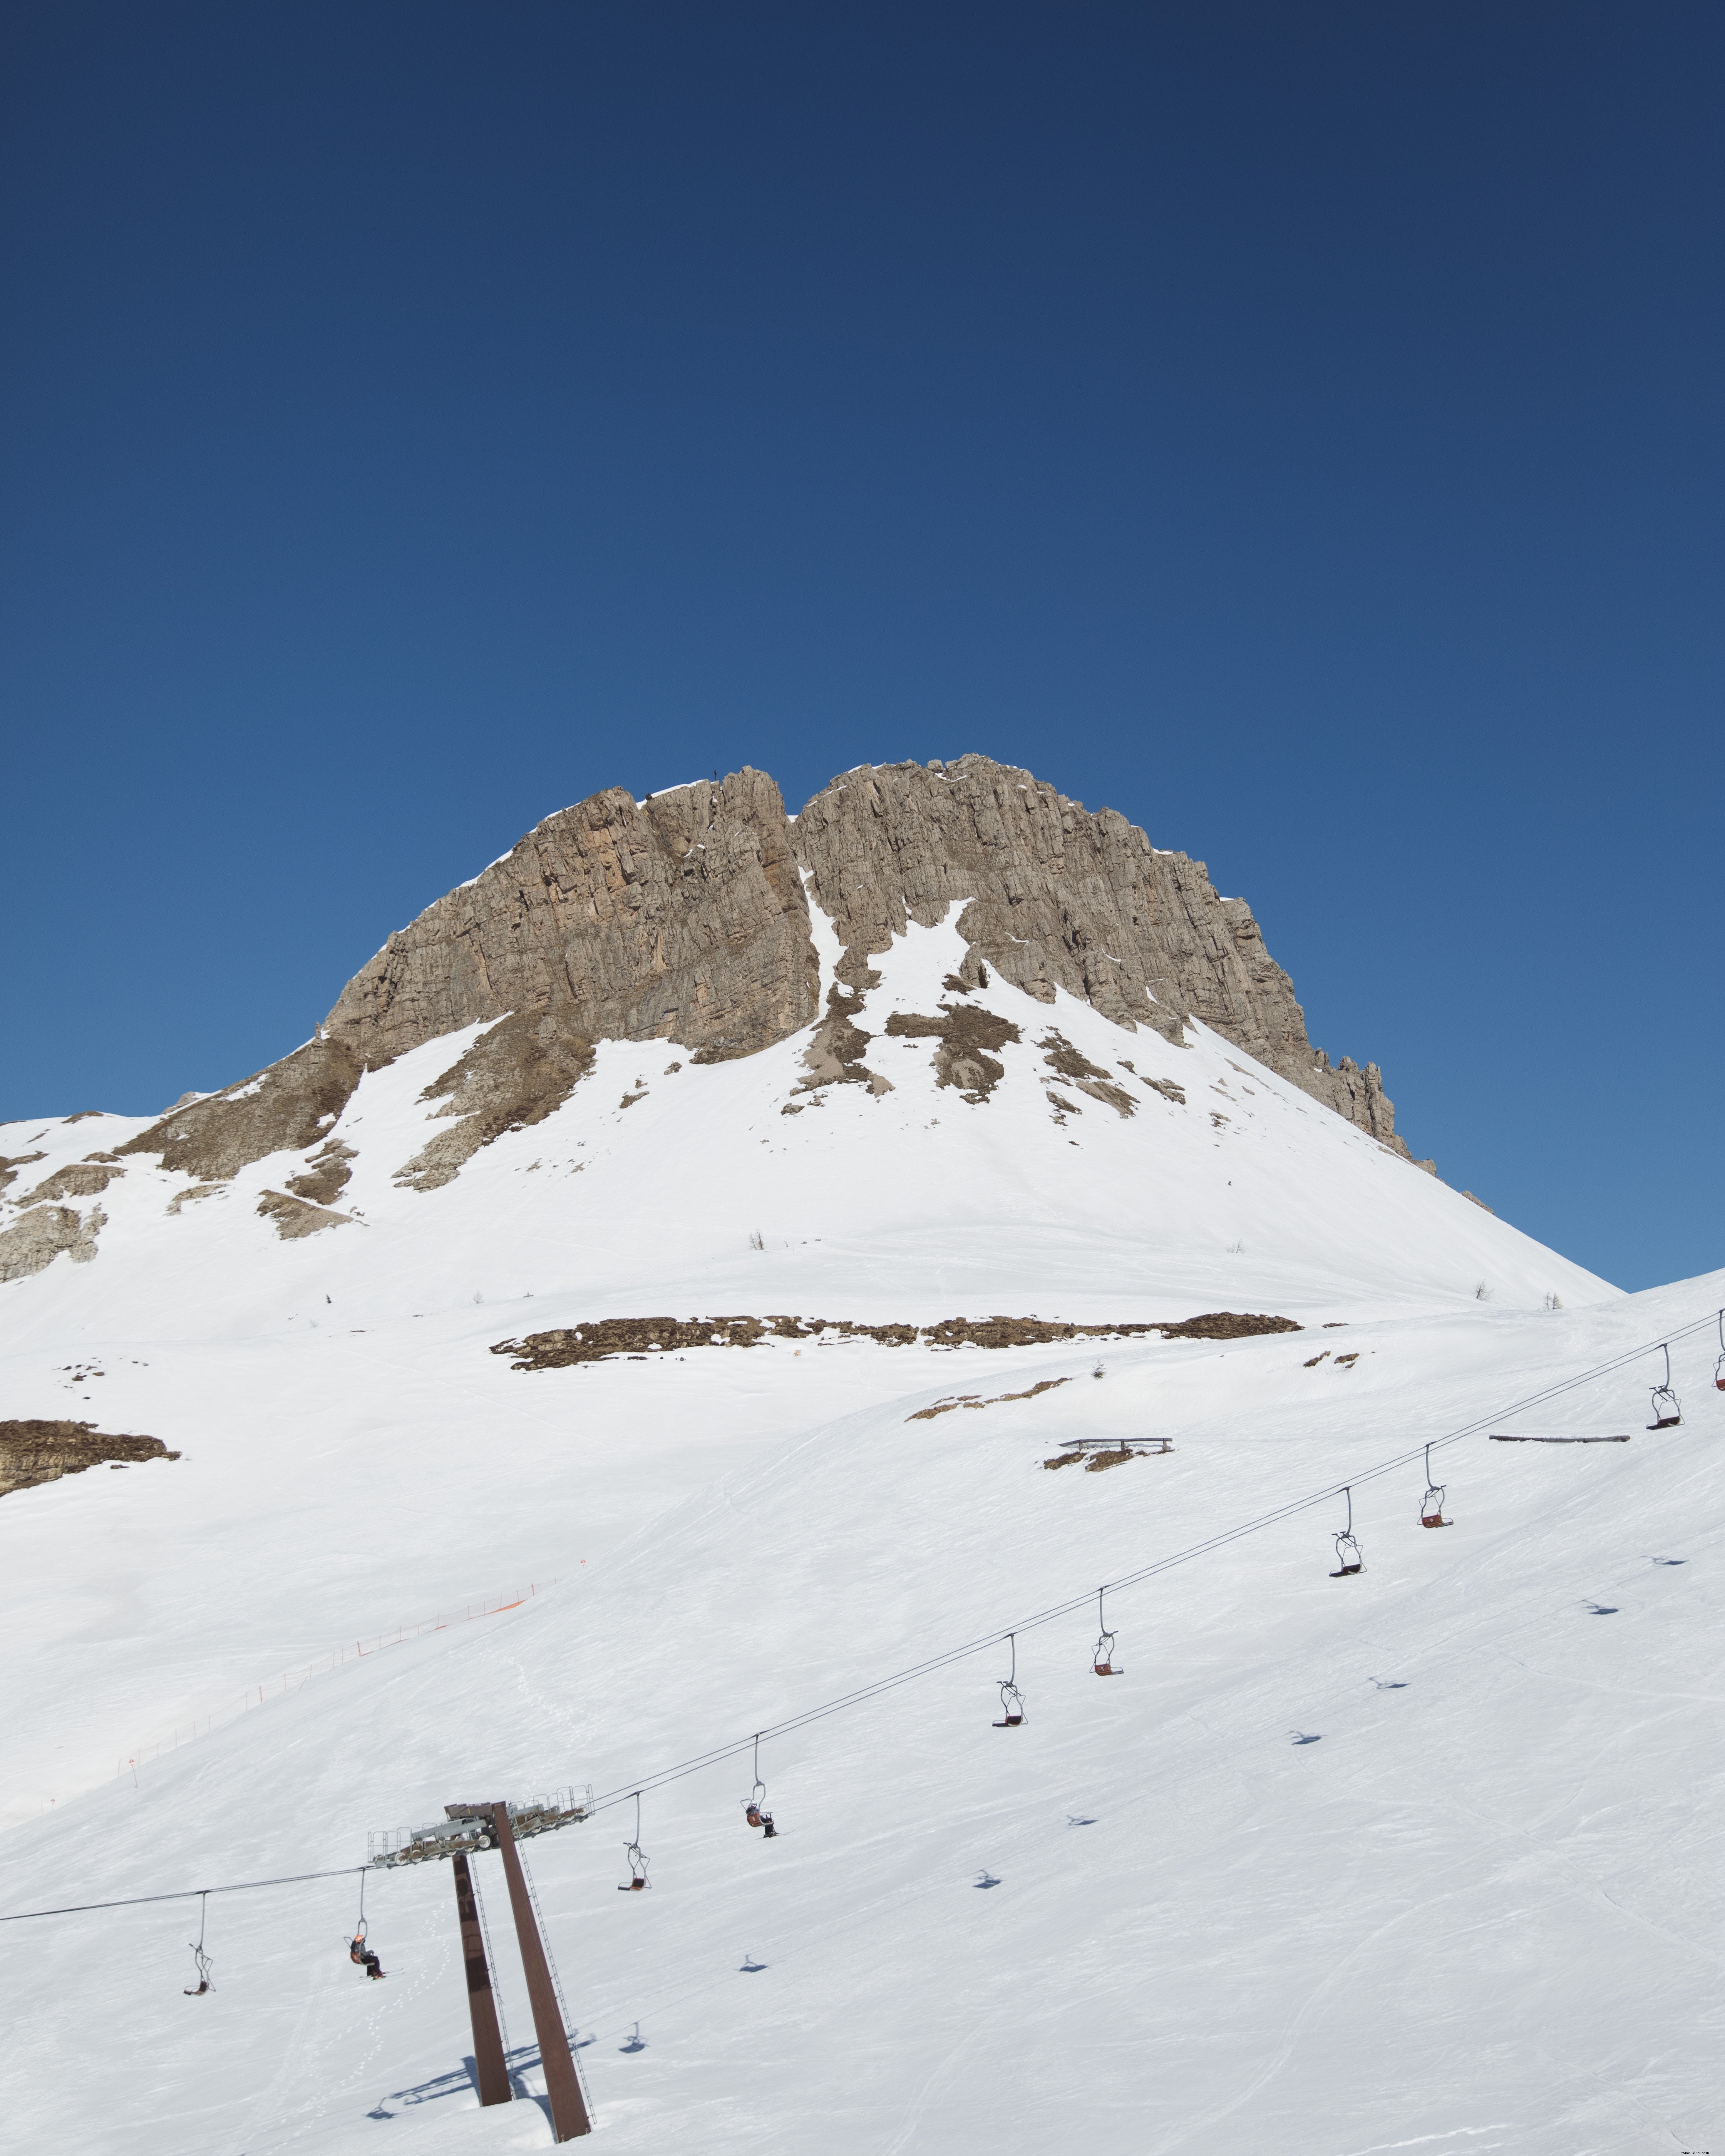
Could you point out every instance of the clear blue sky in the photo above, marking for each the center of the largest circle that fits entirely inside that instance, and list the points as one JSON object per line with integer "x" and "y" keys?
{"x": 1297, "y": 427}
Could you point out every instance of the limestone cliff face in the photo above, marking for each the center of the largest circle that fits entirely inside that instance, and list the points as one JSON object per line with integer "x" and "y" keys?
{"x": 683, "y": 918}
{"x": 1056, "y": 897}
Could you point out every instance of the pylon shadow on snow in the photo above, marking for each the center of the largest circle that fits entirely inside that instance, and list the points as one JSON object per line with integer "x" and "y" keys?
{"x": 464, "y": 2078}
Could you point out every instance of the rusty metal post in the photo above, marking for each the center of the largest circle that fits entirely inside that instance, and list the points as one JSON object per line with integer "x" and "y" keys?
{"x": 569, "y": 2109}
{"x": 481, "y": 2002}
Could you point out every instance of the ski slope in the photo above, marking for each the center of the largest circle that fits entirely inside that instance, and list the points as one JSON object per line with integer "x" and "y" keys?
{"x": 1423, "y": 1858}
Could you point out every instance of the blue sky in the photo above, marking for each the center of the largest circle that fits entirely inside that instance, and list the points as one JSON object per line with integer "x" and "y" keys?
{"x": 1297, "y": 427}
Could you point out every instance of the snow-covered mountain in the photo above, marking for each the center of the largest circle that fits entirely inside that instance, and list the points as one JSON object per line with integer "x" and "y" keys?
{"x": 1416, "y": 1857}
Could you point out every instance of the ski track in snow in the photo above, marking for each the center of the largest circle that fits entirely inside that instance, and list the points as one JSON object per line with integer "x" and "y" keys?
{"x": 1480, "y": 1911}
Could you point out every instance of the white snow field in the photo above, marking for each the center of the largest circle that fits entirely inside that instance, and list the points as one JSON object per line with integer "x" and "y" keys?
{"x": 1421, "y": 1859}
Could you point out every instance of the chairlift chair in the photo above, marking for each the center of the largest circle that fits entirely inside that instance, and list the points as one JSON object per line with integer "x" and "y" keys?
{"x": 1348, "y": 1559}
{"x": 1102, "y": 1662}
{"x": 1012, "y": 1700}
{"x": 632, "y": 1851}
{"x": 1668, "y": 1408}
{"x": 1719, "y": 1366}
{"x": 1431, "y": 1505}
{"x": 205, "y": 1983}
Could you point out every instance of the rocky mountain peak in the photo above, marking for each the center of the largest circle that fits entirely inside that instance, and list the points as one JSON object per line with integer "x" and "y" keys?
{"x": 685, "y": 918}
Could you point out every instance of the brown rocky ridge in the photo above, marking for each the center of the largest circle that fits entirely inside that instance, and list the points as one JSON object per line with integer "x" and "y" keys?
{"x": 32, "y": 1453}
{"x": 593, "y": 1342}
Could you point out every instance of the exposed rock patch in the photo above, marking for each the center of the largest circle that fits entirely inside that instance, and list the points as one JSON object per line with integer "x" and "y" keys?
{"x": 33, "y": 1243}
{"x": 1061, "y": 1055}
{"x": 294, "y": 1218}
{"x": 325, "y": 1177}
{"x": 975, "y": 1401}
{"x": 32, "y": 1453}
{"x": 834, "y": 1056}
{"x": 514, "y": 1076}
{"x": 191, "y": 1197}
{"x": 283, "y": 1109}
{"x": 966, "y": 1035}
{"x": 1099, "y": 1458}
{"x": 591, "y": 1342}
{"x": 78, "y": 1178}
{"x": 9, "y": 1168}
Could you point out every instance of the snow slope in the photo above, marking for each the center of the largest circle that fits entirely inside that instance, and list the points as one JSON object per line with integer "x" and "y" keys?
{"x": 1477, "y": 1907}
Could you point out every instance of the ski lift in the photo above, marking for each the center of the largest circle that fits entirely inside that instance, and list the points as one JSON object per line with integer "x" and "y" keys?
{"x": 1102, "y": 1662}
{"x": 637, "y": 1878}
{"x": 1719, "y": 1366}
{"x": 1431, "y": 1505}
{"x": 1348, "y": 1560}
{"x": 1012, "y": 1700}
{"x": 754, "y": 1805}
{"x": 358, "y": 1952}
{"x": 1668, "y": 1408}
{"x": 204, "y": 1963}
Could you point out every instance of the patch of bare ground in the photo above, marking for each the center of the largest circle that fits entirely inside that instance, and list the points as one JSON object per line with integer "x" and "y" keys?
{"x": 966, "y": 1035}
{"x": 973, "y": 1400}
{"x": 294, "y": 1218}
{"x": 32, "y": 1453}
{"x": 518, "y": 1072}
{"x": 591, "y": 1342}
{"x": 1099, "y": 1458}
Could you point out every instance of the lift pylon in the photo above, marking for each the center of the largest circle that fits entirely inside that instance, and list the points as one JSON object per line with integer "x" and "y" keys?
{"x": 481, "y": 2000}
{"x": 568, "y": 2109}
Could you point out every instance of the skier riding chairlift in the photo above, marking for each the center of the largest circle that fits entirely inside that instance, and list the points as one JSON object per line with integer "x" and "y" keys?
{"x": 361, "y": 1955}
{"x": 1719, "y": 1366}
{"x": 754, "y": 1805}
{"x": 1348, "y": 1559}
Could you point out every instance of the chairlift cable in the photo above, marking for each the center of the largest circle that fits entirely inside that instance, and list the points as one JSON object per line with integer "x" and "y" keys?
{"x": 185, "y": 1894}
{"x": 863, "y": 1693}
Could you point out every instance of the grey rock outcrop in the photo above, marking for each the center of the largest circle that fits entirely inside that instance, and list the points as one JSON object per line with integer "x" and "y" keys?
{"x": 78, "y": 1178}
{"x": 36, "y": 1238}
{"x": 1058, "y": 898}
{"x": 681, "y": 918}
{"x": 293, "y": 1218}
{"x": 513, "y": 1075}
{"x": 284, "y": 1108}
